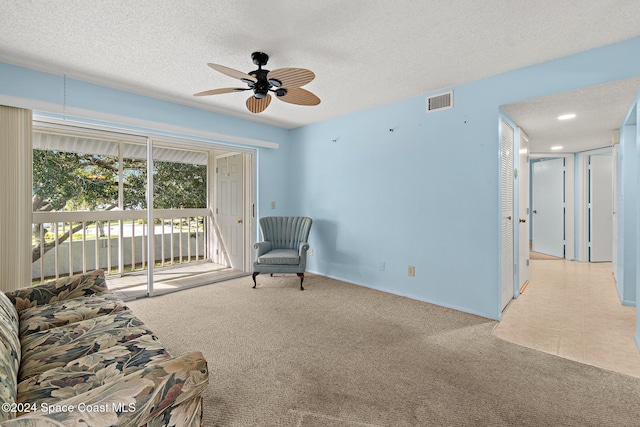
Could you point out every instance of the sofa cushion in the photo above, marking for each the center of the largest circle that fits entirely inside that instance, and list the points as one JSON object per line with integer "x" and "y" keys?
{"x": 56, "y": 347}
{"x": 280, "y": 257}
{"x": 60, "y": 313}
{"x": 91, "y": 371}
{"x": 9, "y": 354}
{"x": 75, "y": 286}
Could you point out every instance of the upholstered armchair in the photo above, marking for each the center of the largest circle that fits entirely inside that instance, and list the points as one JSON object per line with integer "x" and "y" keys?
{"x": 284, "y": 246}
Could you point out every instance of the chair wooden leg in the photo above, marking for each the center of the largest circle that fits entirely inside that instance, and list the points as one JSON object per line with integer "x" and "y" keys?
{"x": 301, "y": 276}
{"x": 255, "y": 273}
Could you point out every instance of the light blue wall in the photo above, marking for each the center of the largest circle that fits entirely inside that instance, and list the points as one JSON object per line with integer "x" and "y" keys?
{"x": 57, "y": 96}
{"x": 426, "y": 194}
{"x": 628, "y": 213}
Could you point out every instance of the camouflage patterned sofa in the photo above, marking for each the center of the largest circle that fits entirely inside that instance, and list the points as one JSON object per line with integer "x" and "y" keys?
{"x": 72, "y": 354}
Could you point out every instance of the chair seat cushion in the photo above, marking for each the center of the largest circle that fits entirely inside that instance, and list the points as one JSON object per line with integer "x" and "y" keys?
{"x": 280, "y": 257}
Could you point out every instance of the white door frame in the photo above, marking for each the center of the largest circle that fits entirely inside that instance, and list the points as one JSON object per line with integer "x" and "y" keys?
{"x": 249, "y": 205}
{"x": 522, "y": 210}
{"x": 569, "y": 191}
{"x": 614, "y": 225}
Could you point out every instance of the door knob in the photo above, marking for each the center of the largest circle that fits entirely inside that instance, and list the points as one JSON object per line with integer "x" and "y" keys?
{"x": 509, "y": 217}
{"x": 535, "y": 211}
{"x": 522, "y": 220}
{"x": 239, "y": 221}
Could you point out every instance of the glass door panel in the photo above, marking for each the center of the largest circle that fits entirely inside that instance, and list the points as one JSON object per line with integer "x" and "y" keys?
{"x": 180, "y": 216}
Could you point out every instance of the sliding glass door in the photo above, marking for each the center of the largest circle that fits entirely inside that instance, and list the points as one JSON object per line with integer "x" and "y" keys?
{"x": 156, "y": 214}
{"x": 180, "y": 216}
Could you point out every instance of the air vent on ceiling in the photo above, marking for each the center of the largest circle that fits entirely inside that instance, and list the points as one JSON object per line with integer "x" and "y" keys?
{"x": 441, "y": 101}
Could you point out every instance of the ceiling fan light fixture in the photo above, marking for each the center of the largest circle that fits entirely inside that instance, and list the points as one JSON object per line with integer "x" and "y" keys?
{"x": 275, "y": 82}
{"x": 259, "y": 94}
{"x": 281, "y": 92}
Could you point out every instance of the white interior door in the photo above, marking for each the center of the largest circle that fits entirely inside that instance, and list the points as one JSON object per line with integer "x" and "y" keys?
{"x": 615, "y": 176}
{"x": 229, "y": 210}
{"x": 506, "y": 219}
{"x": 523, "y": 208}
{"x": 548, "y": 207}
{"x": 600, "y": 208}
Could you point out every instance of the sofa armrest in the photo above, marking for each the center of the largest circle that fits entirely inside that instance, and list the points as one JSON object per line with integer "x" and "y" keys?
{"x": 170, "y": 387}
{"x": 57, "y": 290}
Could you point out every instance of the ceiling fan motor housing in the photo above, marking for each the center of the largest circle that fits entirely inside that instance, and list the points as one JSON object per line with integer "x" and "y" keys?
{"x": 262, "y": 86}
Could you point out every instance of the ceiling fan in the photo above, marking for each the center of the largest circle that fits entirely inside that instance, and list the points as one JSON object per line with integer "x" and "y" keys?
{"x": 283, "y": 82}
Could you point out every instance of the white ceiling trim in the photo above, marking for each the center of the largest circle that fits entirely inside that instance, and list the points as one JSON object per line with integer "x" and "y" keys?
{"x": 81, "y": 115}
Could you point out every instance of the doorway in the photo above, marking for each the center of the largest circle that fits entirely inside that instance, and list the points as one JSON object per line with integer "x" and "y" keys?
{"x": 229, "y": 210}
{"x": 548, "y": 210}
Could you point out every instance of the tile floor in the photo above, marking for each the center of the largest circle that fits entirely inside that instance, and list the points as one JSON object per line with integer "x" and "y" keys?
{"x": 572, "y": 309}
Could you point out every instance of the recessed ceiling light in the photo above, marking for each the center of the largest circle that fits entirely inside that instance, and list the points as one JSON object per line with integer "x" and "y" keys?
{"x": 556, "y": 147}
{"x": 566, "y": 116}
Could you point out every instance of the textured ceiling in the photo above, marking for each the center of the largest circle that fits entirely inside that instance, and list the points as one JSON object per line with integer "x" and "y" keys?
{"x": 599, "y": 110}
{"x": 364, "y": 52}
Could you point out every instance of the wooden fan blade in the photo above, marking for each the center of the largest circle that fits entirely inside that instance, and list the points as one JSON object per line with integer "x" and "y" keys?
{"x": 291, "y": 77}
{"x": 220, "y": 91}
{"x": 232, "y": 73}
{"x": 258, "y": 105}
{"x": 300, "y": 96}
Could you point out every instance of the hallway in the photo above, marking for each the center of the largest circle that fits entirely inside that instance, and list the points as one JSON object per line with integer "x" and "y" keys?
{"x": 572, "y": 310}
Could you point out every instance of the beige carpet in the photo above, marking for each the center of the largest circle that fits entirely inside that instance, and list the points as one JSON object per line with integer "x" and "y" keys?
{"x": 342, "y": 355}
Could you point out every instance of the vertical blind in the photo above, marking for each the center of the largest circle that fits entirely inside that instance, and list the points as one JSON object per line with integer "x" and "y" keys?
{"x": 15, "y": 197}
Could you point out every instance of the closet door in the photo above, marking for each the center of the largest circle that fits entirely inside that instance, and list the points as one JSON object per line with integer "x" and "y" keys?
{"x": 600, "y": 208}
{"x": 506, "y": 218}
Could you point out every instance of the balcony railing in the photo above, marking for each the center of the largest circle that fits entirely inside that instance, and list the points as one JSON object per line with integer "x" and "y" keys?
{"x": 116, "y": 241}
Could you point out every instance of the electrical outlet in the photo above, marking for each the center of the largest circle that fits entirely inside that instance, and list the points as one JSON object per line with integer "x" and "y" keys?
{"x": 273, "y": 205}
{"x": 412, "y": 271}
{"x": 381, "y": 266}
{"x": 311, "y": 252}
